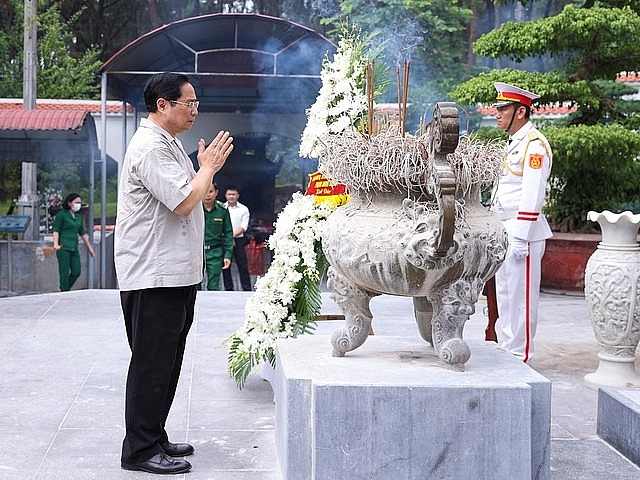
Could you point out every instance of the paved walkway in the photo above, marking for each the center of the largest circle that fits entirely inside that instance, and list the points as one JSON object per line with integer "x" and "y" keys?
{"x": 63, "y": 362}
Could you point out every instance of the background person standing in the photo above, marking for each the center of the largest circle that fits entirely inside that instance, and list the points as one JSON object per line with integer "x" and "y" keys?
{"x": 218, "y": 237}
{"x": 240, "y": 221}
{"x": 67, "y": 225}
{"x": 159, "y": 245}
{"x": 518, "y": 201}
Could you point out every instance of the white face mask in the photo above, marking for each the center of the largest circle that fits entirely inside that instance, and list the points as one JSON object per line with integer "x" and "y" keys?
{"x": 76, "y": 207}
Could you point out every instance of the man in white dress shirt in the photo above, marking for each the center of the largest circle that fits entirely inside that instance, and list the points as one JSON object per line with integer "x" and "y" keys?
{"x": 240, "y": 223}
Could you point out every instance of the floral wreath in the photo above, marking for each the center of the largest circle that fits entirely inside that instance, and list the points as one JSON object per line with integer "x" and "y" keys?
{"x": 287, "y": 298}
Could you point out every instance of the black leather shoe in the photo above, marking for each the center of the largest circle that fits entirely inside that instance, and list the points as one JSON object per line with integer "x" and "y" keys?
{"x": 160, "y": 463}
{"x": 177, "y": 449}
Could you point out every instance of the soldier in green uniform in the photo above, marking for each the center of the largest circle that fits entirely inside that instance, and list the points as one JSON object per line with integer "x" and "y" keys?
{"x": 218, "y": 237}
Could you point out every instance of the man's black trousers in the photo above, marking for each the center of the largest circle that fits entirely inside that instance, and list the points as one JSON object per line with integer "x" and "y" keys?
{"x": 240, "y": 259}
{"x": 157, "y": 322}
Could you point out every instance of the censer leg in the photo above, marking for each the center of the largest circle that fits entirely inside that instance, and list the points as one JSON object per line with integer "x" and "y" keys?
{"x": 452, "y": 307}
{"x": 354, "y": 303}
{"x": 423, "y": 311}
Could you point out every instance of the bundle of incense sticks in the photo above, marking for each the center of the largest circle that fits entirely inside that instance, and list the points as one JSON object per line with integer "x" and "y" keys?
{"x": 402, "y": 94}
{"x": 422, "y": 126}
{"x": 371, "y": 88}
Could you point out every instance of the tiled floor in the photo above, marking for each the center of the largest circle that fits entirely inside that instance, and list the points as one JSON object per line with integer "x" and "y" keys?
{"x": 63, "y": 361}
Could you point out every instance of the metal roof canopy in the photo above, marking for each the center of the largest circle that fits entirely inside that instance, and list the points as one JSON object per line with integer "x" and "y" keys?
{"x": 237, "y": 62}
{"x": 42, "y": 135}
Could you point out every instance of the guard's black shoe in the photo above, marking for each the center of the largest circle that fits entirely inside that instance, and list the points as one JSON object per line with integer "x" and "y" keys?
{"x": 160, "y": 463}
{"x": 177, "y": 449}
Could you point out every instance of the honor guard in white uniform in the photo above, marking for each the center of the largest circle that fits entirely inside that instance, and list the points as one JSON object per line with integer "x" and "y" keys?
{"x": 518, "y": 199}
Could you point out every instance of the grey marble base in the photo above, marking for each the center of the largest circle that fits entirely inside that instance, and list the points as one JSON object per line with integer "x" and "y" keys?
{"x": 619, "y": 419}
{"x": 392, "y": 410}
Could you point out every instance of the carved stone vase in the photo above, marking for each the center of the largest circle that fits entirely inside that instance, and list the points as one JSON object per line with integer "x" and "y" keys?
{"x": 611, "y": 291}
{"x": 389, "y": 241}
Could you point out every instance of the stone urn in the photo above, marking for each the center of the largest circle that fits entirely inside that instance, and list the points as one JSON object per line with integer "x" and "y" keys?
{"x": 416, "y": 230}
{"x": 613, "y": 298}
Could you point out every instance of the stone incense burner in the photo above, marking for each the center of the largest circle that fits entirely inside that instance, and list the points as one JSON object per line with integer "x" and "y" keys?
{"x": 414, "y": 227}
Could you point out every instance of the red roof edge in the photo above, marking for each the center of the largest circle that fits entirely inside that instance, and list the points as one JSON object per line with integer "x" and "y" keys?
{"x": 93, "y": 106}
{"x": 41, "y": 119}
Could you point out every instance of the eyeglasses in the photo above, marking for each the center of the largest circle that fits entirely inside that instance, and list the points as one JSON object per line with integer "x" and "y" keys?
{"x": 190, "y": 105}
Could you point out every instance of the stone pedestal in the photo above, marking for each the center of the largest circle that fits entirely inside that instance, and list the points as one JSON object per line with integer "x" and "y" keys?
{"x": 393, "y": 410}
{"x": 618, "y": 420}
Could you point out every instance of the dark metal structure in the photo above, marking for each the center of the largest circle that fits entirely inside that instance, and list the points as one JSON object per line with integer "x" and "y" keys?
{"x": 47, "y": 136}
{"x": 240, "y": 63}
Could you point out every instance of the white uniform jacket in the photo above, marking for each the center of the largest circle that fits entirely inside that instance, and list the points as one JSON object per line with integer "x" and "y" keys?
{"x": 520, "y": 193}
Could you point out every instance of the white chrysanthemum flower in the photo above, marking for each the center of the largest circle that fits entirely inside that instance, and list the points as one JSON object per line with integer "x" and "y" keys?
{"x": 340, "y": 125}
{"x": 341, "y": 101}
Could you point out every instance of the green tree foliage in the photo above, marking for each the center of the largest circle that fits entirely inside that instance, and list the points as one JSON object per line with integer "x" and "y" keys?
{"x": 551, "y": 86}
{"x": 600, "y": 160}
{"x": 109, "y": 25}
{"x": 10, "y": 182}
{"x": 594, "y": 42}
{"x": 431, "y": 34}
{"x": 60, "y": 74}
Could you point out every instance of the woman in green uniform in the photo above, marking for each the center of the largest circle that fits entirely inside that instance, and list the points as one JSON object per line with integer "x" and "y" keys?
{"x": 67, "y": 226}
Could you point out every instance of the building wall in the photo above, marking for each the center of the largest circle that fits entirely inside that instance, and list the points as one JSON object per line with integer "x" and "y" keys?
{"x": 35, "y": 267}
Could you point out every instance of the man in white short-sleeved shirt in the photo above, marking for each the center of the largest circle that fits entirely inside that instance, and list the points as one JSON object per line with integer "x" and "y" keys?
{"x": 159, "y": 248}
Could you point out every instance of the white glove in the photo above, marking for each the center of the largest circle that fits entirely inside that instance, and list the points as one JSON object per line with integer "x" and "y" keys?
{"x": 519, "y": 247}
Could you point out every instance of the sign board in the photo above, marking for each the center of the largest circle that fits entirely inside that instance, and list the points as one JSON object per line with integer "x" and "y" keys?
{"x": 14, "y": 223}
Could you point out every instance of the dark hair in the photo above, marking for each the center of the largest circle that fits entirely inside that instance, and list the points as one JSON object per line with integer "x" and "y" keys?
{"x": 70, "y": 198}
{"x": 165, "y": 85}
{"x": 232, "y": 187}
{"x": 215, "y": 185}
{"x": 527, "y": 111}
